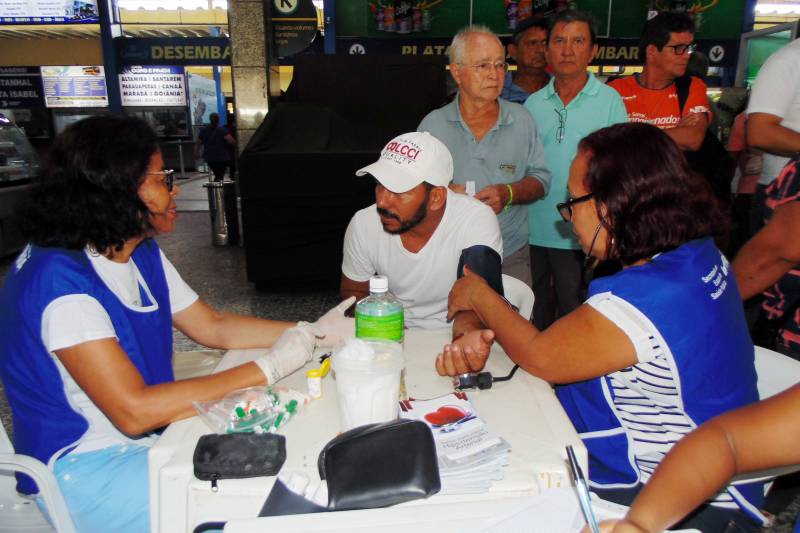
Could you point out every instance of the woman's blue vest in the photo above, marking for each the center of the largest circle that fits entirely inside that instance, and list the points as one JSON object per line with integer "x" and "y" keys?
{"x": 691, "y": 297}
{"x": 44, "y": 421}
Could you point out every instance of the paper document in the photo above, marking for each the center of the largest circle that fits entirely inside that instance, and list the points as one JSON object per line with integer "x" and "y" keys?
{"x": 471, "y": 456}
{"x": 552, "y": 511}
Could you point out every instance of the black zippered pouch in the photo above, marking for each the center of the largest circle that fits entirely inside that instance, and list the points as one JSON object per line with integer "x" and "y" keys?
{"x": 238, "y": 455}
{"x": 378, "y": 465}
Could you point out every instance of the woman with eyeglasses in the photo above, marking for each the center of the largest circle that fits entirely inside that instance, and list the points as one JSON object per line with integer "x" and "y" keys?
{"x": 657, "y": 348}
{"x": 86, "y": 318}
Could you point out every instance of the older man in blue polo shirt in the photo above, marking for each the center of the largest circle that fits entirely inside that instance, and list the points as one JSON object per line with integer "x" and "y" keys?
{"x": 494, "y": 143}
{"x": 570, "y": 107}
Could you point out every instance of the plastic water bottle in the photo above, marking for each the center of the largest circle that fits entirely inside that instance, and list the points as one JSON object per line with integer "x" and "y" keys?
{"x": 380, "y": 315}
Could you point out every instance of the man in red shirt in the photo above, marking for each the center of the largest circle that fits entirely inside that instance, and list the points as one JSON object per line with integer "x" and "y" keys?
{"x": 651, "y": 96}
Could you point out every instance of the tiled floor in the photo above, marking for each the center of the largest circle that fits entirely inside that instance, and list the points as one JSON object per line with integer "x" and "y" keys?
{"x": 218, "y": 275}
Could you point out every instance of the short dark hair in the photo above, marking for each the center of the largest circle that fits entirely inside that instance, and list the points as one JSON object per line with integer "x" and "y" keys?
{"x": 656, "y": 30}
{"x": 535, "y": 21}
{"x": 571, "y": 15}
{"x": 653, "y": 203}
{"x": 88, "y": 186}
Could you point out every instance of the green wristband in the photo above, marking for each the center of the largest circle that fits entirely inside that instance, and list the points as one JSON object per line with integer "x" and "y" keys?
{"x": 510, "y": 196}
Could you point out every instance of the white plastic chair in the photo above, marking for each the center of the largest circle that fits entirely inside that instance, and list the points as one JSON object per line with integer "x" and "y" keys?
{"x": 19, "y": 513}
{"x": 519, "y": 295}
{"x": 776, "y": 373}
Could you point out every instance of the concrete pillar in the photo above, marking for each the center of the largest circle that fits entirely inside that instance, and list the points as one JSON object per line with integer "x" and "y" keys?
{"x": 253, "y": 78}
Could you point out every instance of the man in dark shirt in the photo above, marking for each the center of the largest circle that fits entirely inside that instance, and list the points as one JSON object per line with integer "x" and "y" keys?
{"x": 527, "y": 51}
{"x": 216, "y": 142}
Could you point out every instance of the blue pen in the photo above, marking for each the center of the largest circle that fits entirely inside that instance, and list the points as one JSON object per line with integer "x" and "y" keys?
{"x": 583, "y": 491}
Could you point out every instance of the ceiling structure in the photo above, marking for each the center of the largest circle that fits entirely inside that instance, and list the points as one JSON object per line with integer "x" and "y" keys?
{"x": 205, "y": 18}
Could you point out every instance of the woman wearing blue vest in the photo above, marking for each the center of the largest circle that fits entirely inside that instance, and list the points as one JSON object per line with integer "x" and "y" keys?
{"x": 657, "y": 348}
{"x": 86, "y": 318}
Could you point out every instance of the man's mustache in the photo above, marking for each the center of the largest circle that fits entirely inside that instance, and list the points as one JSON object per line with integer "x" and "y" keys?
{"x": 388, "y": 214}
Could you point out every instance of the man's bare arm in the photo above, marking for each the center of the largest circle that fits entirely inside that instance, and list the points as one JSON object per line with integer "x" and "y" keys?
{"x": 527, "y": 190}
{"x": 764, "y": 131}
{"x": 348, "y": 288}
{"x": 771, "y": 253}
{"x": 690, "y": 131}
{"x": 522, "y": 192}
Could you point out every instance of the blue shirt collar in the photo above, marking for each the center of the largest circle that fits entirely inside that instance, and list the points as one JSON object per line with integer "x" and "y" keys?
{"x": 590, "y": 88}
{"x": 453, "y": 113}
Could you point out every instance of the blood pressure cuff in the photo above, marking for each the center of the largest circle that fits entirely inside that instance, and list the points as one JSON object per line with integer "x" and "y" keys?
{"x": 485, "y": 262}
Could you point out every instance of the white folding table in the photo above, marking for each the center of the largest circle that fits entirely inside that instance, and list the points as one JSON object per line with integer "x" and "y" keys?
{"x": 523, "y": 410}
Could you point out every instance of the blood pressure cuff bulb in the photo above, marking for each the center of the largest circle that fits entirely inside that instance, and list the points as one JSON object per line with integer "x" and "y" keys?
{"x": 485, "y": 262}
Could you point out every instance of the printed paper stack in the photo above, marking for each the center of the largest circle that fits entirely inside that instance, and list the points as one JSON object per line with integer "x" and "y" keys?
{"x": 471, "y": 456}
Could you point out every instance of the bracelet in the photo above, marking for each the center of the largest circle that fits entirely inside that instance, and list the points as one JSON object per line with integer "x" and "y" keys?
{"x": 510, "y": 196}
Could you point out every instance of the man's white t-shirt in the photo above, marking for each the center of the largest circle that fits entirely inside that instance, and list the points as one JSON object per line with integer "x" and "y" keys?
{"x": 777, "y": 91}
{"x": 421, "y": 280}
{"x": 78, "y": 318}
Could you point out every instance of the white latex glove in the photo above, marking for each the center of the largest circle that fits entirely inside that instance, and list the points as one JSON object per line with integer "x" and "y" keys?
{"x": 334, "y": 327}
{"x": 291, "y": 351}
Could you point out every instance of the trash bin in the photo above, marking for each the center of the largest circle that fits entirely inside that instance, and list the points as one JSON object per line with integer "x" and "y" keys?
{"x": 224, "y": 215}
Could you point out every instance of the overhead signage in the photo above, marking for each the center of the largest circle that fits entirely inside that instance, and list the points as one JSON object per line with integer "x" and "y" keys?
{"x": 174, "y": 51}
{"x": 48, "y": 12}
{"x": 712, "y": 18}
{"x": 294, "y": 26}
{"x": 70, "y": 86}
{"x": 401, "y": 19}
{"x": 153, "y": 86}
{"x": 616, "y": 52}
{"x": 20, "y": 87}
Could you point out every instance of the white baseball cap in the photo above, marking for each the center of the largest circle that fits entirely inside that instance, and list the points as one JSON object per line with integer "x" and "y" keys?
{"x": 409, "y": 159}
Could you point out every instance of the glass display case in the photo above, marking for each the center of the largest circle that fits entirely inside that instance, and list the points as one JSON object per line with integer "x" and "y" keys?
{"x": 19, "y": 165}
{"x": 18, "y": 160}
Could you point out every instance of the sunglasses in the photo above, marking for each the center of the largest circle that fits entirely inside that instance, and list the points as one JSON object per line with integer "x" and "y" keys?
{"x": 565, "y": 208}
{"x": 168, "y": 178}
{"x": 562, "y": 123}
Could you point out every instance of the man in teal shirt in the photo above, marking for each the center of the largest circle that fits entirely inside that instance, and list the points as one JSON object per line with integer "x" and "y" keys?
{"x": 570, "y": 107}
{"x": 494, "y": 143}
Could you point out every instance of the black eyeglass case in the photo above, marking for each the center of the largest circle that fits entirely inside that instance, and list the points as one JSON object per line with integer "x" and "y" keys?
{"x": 378, "y": 465}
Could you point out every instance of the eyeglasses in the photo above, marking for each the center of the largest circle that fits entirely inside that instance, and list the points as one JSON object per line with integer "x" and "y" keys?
{"x": 565, "y": 208}
{"x": 562, "y": 123}
{"x": 168, "y": 178}
{"x": 488, "y": 66}
{"x": 681, "y": 49}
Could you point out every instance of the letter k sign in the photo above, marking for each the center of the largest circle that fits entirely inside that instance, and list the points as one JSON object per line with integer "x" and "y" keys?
{"x": 286, "y": 7}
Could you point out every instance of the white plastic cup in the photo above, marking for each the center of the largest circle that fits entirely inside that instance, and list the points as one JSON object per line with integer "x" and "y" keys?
{"x": 368, "y": 388}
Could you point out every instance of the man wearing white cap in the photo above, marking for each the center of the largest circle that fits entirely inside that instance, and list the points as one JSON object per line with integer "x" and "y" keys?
{"x": 419, "y": 233}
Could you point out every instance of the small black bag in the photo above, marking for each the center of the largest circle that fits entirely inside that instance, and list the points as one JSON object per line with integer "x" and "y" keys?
{"x": 378, "y": 465}
{"x": 238, "y": 455}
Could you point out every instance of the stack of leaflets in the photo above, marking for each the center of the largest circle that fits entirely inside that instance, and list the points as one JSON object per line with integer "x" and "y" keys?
{"x": 471, "y": 456}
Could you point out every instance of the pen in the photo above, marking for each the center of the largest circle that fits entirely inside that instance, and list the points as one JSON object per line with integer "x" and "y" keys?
{"x": 583, "y": 491}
